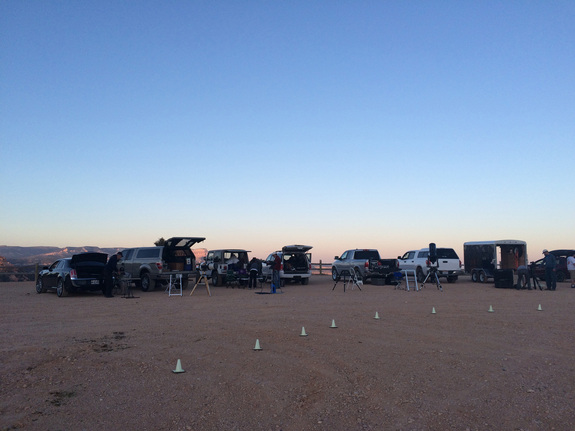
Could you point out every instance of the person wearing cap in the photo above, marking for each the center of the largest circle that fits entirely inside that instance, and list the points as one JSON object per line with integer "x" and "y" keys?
{"x": 109, "y": 270}
{"x": 550, "y": 264}
{"x": 571, "y": 268}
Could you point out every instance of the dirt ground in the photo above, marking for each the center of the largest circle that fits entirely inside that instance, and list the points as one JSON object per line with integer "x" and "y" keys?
{"x": 86, "y": 362}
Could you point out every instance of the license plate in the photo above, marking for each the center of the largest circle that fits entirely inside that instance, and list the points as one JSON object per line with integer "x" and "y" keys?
{"x": 95, "y": 282}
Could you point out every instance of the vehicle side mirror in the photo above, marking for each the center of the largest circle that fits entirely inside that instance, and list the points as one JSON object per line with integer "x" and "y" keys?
{"x": 336, "y": 257}
{"x": 399, "y": 257}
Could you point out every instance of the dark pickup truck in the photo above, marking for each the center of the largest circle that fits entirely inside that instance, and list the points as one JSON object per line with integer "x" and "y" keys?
{"x": 367, "y": 265}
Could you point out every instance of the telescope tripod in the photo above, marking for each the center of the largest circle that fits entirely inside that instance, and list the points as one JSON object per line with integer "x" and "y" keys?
{"x": 432, "y": 273}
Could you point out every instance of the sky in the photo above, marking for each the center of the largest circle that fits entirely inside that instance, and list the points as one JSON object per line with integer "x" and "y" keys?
{"x": 257, "y": 124}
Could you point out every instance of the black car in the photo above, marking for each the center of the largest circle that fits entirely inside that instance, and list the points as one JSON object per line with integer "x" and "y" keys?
{"x": 561, "y": 270}
{"x": 84, "y": 271}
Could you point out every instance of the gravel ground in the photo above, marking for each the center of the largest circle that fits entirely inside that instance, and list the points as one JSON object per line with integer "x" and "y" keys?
{"x": 86, "y": 362}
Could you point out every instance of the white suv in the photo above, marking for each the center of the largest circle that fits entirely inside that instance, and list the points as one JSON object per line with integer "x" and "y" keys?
{"x": 296, "y": 264}
{"x": 448, "y": 263}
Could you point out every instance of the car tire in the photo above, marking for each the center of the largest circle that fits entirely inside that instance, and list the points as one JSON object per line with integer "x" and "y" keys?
{"x": 305, "y": 281}
{"x": 452, "y": 279}
{"x": 146, "y": 282}
{"x": 482, "y": 277}
{"x": 215, "y": 278}
{"x": 40, "y": 286}
{"x": 419, "y": 274}
{"x": 61, "y": 289}
{"x": 474, "y": 277}
{"x": 334, "y": 274}
{"x": 560, "y": 277}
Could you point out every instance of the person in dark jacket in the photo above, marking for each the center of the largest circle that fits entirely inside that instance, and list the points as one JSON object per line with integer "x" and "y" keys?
{"x": 255, "y": 269}
{"x": 109, "y": 270}
{"x": 550, "y": 264}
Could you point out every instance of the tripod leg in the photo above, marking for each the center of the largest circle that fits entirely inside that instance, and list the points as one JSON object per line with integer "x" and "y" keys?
{"x": 438, "y": 283}
{"x": 425, "y": 279}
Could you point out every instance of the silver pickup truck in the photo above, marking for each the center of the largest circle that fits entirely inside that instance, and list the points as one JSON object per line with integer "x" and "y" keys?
{"x": 366, "y": 264}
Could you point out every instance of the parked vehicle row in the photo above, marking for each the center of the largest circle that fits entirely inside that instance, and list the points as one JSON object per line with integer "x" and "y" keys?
{"x": 149, "y": 267}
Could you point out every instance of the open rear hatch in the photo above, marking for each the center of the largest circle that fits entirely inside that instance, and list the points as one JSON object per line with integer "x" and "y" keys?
{"x": 296, "y": 260}
{"x": 178, "y": 252}
{"x": 88, "y": 265}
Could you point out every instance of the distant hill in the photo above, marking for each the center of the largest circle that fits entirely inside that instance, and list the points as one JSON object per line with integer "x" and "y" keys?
{"x": 20, "y": 256}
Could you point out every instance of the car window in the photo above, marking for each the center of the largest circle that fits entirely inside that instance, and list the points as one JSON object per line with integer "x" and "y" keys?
{"x": 366, "y": 254}
{"x": 148, "y": 253}
{"x": 54, "y": 265}
{"x": 64, "y": 263}
{"x": 446, "y": 253}
{"x": 128, "y": 254}
{"x": 422, "y": 254}
{"x": 408, "y": 255}
{"x": 344, "y": 255}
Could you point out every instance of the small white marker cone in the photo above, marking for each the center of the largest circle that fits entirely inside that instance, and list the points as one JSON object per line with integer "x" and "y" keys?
{"x": 333, "y": 324}
{"x": 257, "y": 346}
{"x": 539, "y": 308}
{"x": 178, "y": 368}
{"x": 491, "y": 310}
{"x": 433, "y": 311}
{"x": 376, "y": 315}
{"x": 303, "y": 334}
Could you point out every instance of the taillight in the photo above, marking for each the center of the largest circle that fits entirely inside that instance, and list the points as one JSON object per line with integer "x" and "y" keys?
{"x": 460, "y": 264}
{"x": 73, "y": 274}
{"x": 366, "y": 264}
{"x": 159, "y": 265}
{"x": 428, "y": 262}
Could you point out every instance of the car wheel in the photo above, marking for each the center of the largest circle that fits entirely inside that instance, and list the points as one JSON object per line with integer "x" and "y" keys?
{"x": 305, "y": 281}
{"x": 40, "y": 286}
{"x": 334, "y": 274}
{"x": 419, "y": 274}
{"x": 451, "y": 279}
{"x": 145, "y": 282}
{"x": 215, "y": 278}
{"x": 61, "y": 289}
{"x": 474, "y": 277}
{"x": 482, "y": 277}
{"x": 560, "y": 276}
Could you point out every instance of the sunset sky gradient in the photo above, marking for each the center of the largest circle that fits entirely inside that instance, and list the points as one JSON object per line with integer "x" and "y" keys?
{"x": 338, "y": 124}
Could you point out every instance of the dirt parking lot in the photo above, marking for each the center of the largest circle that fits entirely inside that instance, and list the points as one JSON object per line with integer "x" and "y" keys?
{"x": 86, "y": 362}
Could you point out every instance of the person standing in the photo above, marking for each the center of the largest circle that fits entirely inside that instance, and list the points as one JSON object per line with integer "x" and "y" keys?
{"x": 109, "y": 270}
{"x": 571, "y": 268}
{"x": 550, "y": 264}
{"x": 255, "y": 269}
{"x": 276, "y": 268}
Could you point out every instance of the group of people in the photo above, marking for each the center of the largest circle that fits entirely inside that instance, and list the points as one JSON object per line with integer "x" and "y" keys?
{"x": 255, "y": 269}
{"x": 550, "y": 265}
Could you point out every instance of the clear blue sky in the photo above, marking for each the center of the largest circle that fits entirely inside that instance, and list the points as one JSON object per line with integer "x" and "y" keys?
{"x": 338, "y": 124}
